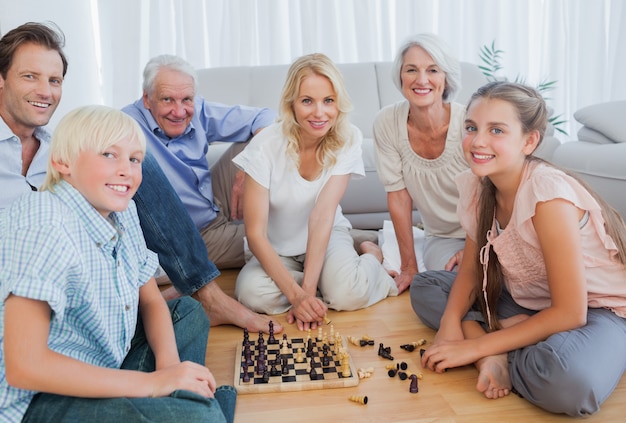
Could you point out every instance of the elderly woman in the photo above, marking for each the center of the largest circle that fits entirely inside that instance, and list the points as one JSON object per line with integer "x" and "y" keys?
{"x": 418, "y": 146}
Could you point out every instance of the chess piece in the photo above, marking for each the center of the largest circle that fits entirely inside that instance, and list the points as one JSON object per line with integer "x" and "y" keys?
{"x": 359, "y": 399}
{"x": 271, "y": 340}
{"x": 413, "y": 387}
{"x": 260, "y": 343}
{"x": 299, "y": 357}
{"x": 344, "y": 358}
{"x": 246, "y": 336}
{"x": 284, "y": 349}
{"x": 365, "y": 373}
{"x": 247, "y": 354}
{"x": 319, "y": 334}
{"x": 274, "y": 370}
{"x": 285, "y": 365}
{"x": 313, "y": 374}
{"x": 325, "y": 357}
{"x": 246, "y": 375}
{"x": 385, "y": 352}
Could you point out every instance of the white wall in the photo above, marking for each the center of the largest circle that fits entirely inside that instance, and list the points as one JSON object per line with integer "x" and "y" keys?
{"x": 576, "y": 42}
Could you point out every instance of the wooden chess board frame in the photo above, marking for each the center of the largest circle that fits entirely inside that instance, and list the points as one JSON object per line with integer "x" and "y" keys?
{"x": 276, "y": 384}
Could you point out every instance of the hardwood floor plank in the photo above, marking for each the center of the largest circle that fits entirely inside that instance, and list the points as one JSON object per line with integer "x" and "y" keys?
{"x": 448, "y": 397}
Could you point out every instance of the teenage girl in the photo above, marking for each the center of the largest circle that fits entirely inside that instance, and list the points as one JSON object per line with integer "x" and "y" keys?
{"x": 539, "y": 304}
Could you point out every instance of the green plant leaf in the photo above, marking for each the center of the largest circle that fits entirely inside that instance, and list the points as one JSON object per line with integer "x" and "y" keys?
{"x": 490, "y": 58}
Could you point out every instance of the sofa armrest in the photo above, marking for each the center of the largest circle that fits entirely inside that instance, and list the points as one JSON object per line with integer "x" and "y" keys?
{"x": 600, "y": 165}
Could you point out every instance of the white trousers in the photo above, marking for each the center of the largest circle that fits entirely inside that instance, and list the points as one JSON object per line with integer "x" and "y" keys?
{"x": 347, "y": 281}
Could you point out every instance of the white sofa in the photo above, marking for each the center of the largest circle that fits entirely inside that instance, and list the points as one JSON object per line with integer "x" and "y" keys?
{"x": 599, "y": 154}
{"x": 370, "y": 88}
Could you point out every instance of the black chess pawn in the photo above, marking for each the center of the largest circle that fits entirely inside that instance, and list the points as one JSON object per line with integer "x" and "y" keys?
{"x": 285, "y": 365}
{"x": 325, "y": 357}
{"x": 273, "y": 369}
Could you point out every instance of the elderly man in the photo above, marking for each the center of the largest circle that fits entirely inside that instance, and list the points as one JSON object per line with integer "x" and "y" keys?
{"x": 32, "y": 69}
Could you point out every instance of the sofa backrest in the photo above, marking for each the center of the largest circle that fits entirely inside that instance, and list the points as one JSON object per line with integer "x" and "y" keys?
{"x": 369, "y": 85}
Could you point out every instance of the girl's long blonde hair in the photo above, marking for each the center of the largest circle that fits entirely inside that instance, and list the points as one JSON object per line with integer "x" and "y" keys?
{"x": 340, "y": 133}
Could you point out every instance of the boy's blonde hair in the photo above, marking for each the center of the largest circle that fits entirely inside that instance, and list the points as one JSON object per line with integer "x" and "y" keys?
{"x": 87, "y": 128}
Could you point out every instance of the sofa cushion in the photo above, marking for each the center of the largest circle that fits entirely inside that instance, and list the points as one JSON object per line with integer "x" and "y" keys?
{"x": 587, "y": 134}
{"x": 606, "y": 119}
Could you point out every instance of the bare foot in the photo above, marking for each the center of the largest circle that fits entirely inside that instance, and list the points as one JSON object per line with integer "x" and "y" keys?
{"x": 368, "y": 247}
{"x": 225, "y": 310}
{"x": 493, "y": 376}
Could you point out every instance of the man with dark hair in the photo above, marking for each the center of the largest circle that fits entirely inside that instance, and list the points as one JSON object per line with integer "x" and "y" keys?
{"x": 32, "y": 69}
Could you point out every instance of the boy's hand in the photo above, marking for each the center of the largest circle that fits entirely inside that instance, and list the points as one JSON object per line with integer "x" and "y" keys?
{"x": 187, "y": 375}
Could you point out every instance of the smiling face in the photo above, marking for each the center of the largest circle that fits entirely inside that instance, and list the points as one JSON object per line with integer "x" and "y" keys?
{"x": 423, "y": 82}
{"x": 171, "y": 101}
{"x": 107, "y": 179}
{"x": 315, "y": 108}
{"x": 494, "y": 142}
{"x": 32, "y": 89}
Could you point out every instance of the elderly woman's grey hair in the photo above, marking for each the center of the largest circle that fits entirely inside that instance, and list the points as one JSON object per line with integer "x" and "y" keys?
{"x": 440, "y": 52}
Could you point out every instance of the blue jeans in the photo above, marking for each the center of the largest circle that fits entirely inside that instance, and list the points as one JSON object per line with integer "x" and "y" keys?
{"x": 170, "y": 232}
{"x": 191, "y": 327}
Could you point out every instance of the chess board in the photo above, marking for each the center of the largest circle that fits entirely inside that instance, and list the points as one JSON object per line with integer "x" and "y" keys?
{"x": 297, "y": 379}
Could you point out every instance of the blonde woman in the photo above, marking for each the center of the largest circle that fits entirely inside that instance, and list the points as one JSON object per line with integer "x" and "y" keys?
{"x": 297, "y": 170}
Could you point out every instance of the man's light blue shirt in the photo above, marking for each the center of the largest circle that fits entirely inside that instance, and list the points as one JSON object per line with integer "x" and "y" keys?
{"x": 55, "y": 247}
{"x": 12, "y": 181}
{"x": 183, "y": 159}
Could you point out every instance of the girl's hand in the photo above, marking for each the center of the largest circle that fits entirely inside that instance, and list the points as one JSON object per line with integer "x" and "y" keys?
{"x": 187, "y": 375}
{"x": 445, "y": 334}
{"x": 448, "y": 354}
{"x": 308, "y": 311}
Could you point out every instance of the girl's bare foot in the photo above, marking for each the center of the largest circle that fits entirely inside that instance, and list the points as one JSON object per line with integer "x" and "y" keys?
{"x": 225, "y": 310}
{"x": 493, "y": 376}
{"x": 368, "y": 247}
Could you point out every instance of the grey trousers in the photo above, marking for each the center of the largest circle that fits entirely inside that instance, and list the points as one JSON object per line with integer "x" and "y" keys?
{"x": 571, "y": 372}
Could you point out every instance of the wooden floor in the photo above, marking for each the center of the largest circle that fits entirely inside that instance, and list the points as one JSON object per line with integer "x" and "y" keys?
{"x": 448, "y": 397}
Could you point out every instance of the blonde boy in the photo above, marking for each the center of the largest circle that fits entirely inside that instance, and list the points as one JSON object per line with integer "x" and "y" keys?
{"x": 74, "y": 276}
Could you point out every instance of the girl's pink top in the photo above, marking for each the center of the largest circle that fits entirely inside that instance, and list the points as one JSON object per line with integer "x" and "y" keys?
{"x": 517, "y": 245}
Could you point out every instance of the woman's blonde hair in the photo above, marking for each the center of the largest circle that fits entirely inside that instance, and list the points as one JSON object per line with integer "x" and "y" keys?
{"x": 533, "y": 115}
{"x": 88, "y": 128}
{"x": 340, "y": 132}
